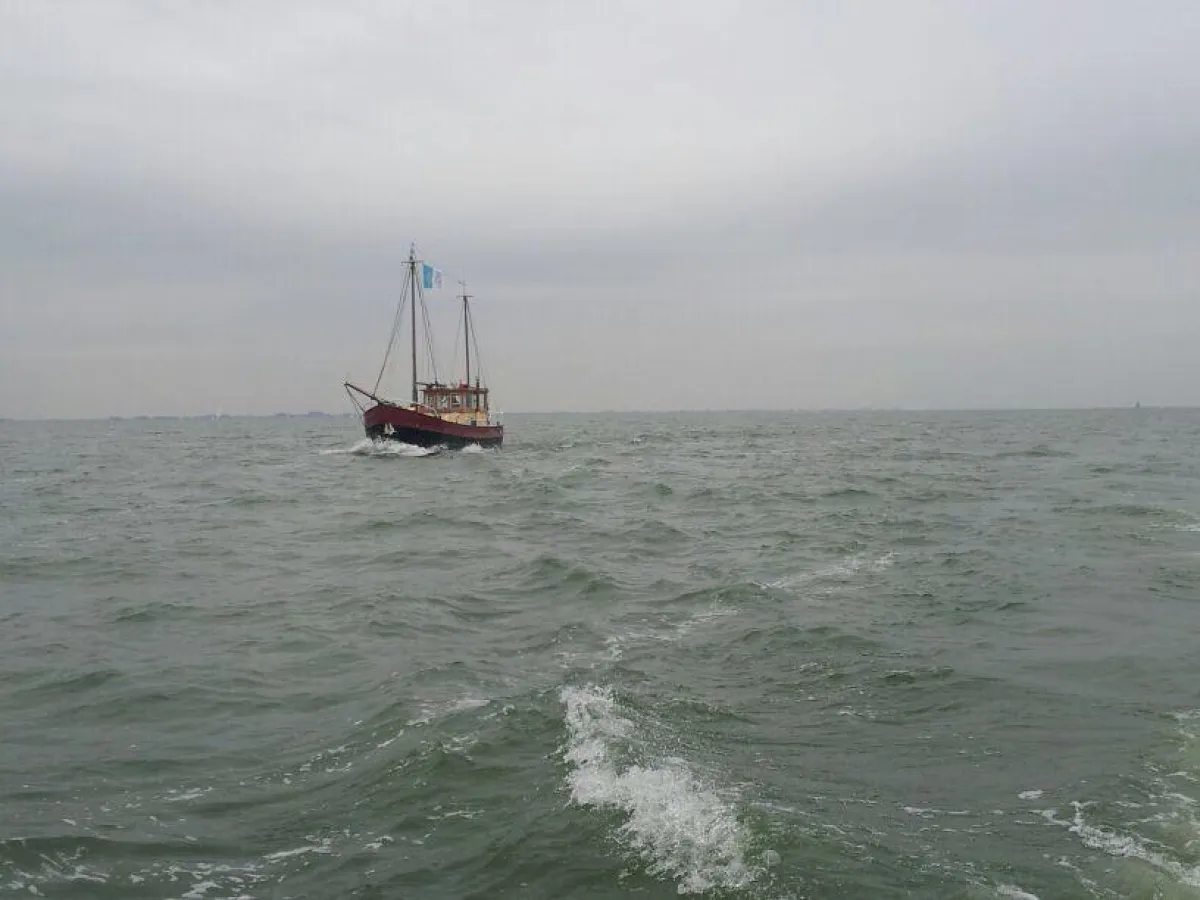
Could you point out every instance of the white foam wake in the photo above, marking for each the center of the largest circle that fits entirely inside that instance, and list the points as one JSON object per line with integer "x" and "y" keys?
{"x": 369, "y": 447}
{"x": 431, "y": 710}
{"x": 841, "y": 571}
{"x": 679, "y": 826}
{"x": 1126, "y": 845}
{"x": 1014, "y": 893}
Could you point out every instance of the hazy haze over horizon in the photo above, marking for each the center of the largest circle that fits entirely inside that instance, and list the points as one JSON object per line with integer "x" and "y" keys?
{"x": 712, "y": 205}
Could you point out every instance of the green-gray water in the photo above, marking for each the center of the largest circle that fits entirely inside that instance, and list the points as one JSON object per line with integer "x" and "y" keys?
{"x": 745, "y": 655}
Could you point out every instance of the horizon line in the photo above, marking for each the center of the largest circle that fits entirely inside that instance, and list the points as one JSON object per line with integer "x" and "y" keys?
{"x": 136, "y": 417}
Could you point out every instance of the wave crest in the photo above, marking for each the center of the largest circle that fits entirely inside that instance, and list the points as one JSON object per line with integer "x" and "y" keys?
{"x": 678, "y": 825}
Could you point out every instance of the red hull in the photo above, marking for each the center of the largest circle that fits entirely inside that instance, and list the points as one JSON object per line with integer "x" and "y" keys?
{"x": 412, "y": 427}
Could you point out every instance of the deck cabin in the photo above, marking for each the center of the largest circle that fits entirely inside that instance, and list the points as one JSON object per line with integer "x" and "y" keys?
{"x": 462, "y": 402}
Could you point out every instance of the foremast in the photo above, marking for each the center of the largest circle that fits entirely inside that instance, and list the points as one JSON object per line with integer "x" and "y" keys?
{"x": 411, "y": 296}
{"x": 412, "y": 279}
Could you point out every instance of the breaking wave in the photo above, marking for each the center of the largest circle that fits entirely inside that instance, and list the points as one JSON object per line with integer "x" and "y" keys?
{"x": 679, "y": 826}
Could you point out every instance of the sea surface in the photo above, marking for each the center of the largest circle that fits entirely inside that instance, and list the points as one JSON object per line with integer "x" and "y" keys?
{"x": 804, "y": 655}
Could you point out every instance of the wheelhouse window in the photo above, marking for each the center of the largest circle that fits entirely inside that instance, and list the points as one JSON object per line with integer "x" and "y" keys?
{"x": 461, "y": 398}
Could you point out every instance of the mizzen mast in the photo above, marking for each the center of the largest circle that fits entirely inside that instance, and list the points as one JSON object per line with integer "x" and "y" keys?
{"x": 466, "y": 329}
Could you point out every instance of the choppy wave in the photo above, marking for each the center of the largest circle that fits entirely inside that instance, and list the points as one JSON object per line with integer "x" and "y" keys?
{"x": 680, "y": 826}
{"x": 772, "y": 656}
{"x": 1156, "y": 831}
{"x": 1127, "y": 845}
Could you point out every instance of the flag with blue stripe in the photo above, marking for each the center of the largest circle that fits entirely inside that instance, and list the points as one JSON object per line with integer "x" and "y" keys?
{"x": 431, "y": 278}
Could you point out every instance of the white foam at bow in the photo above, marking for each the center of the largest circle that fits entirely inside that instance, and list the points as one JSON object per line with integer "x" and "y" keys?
{"x": 369, "y": 447}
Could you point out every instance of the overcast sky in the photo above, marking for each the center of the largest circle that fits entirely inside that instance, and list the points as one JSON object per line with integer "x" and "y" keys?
{"x": 658, "y": 205}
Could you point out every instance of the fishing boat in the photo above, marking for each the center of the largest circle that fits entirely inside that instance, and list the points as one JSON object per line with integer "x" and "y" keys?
{"x": 450, "y": 415}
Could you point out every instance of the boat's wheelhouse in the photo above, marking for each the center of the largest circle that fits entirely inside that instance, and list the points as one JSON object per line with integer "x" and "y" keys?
{"x": 466, "y": 403}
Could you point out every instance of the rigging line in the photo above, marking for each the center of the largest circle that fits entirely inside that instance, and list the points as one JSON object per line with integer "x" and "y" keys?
{"x": 396, "y": 328}
{"x": 397, "y": 325}
{"x": 354, "y": 400}
{"x": 454, "y": 356}
{"x": 428, "y": 338}
{"x": 479, "y": 367}
{"x": 429, "y": 349}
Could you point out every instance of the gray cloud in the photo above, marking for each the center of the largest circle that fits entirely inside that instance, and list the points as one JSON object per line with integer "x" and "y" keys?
{"x": 708, "y": 204}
